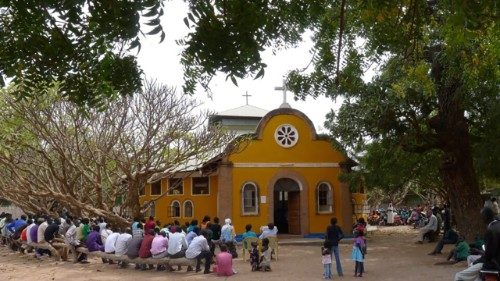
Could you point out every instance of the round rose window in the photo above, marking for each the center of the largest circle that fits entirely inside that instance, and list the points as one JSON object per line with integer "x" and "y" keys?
{"x": 286, "y": 135}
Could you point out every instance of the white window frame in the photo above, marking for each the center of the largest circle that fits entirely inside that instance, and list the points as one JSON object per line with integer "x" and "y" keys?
{"x": 171, "y": 206}
{"x": 256, "y": 212}
{"x": 184, "y": 209}
{"x": 169, "y": 189}
{"x": 192, "y": 187}
{"x": 328, "y": 198}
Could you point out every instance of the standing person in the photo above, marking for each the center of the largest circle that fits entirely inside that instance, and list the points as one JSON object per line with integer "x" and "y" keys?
{"x": 199, "y": 249}
{"x": 334, "y": 234}
{"x": 150, "y": 224}
{"x": 358, "y": 253}
{"x": 254, "y": 256}
{"x": 390, "y": 214}
{"x": 446, "y": 217}
{"x": 326, "y": 259}
{"x": 265, "y": 259}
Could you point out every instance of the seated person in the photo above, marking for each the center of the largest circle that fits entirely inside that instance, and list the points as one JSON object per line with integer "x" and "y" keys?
{"x": 199, "y": 249}
{"x": 491, "y": 258}
{"x": 177, "y": 244}
{"x": 268, "y": 231}
{"x": 224, "y": 262}
{"x": 94, "y": 242}
{"x": 121, "y": 245}
{"x": 248, "y": 233}
{"x": 430, "y": 227}
{"x": 460, "y": 252}
{"x": 449, "y": 237}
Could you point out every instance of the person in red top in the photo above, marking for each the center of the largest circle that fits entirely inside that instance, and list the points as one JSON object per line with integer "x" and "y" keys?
{"x": 145, "y": 250}
{"x": 150, "y": 224}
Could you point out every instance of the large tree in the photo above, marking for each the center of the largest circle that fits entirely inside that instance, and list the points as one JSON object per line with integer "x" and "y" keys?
{"x": 53, "y": 157}
{"x": 87, "y": 47}
{"x": 436, "y": 65}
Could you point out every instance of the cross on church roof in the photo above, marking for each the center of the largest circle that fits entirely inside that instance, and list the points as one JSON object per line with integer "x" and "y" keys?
{"x": 283, "y": 88}
{"x": 246, "y": 95}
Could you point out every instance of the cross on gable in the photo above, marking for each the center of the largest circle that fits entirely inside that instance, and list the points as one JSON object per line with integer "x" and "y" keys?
{"x": 284, "y": 89}
{"x": 246, "y": 95}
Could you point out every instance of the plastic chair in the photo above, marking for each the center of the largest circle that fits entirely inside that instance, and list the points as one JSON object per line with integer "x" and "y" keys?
{"x": 273, "y": 244}
{"x": 247, "y": 244}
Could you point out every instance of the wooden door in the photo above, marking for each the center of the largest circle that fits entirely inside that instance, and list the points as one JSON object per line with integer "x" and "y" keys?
{"x": 294, "y": 212}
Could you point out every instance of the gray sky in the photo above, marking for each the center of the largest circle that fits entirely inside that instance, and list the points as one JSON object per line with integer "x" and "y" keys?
{"x": 162, "y": 62}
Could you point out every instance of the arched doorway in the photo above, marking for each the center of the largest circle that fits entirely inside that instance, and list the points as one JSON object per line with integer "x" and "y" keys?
{"x": 287, "y": 206}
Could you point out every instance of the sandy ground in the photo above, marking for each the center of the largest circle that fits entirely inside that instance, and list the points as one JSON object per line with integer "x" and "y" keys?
{"x": 392, "y": 255}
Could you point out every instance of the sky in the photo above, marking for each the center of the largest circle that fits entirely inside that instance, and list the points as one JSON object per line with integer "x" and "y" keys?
{"x": 162, "y": 62}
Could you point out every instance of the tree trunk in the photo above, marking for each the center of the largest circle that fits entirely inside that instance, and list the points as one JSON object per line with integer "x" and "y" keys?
{"x": 457, "y": 168}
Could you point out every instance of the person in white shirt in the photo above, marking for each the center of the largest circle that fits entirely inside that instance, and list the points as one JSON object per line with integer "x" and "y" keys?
{"x": 177, "y": 244}
{"x": 121, "y": 245}
{"x": 199, "y": 249}
{"x": 41, "y": 231}
{"x": 104, "y": 232}
{"x": 109, "y": 246}
{"x": 269, "y": 230}
{"x": 431, "y": 226}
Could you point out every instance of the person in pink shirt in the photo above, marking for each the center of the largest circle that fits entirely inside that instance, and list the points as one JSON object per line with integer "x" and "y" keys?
{"x": 224, "y": 262}
{"x": 159, "y": 248}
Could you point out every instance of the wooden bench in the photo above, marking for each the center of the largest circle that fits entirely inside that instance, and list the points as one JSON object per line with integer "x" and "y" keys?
{"x": 58, "y": 250}
{"x": 150, "y": 261}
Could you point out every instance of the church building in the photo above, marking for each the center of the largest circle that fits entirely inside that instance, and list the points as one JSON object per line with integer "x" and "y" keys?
{"x": 278, "y": 170}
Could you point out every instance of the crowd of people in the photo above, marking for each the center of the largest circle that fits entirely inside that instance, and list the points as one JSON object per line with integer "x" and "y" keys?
{"x": 483, "y": 253}
{"x": 142, "y": 239}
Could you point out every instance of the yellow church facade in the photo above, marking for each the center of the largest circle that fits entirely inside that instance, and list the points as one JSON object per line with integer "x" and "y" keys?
{"x": 284, "y": 173}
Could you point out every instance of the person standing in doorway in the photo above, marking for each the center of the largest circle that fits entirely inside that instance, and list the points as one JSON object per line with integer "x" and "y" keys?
{"x": 334, "y": 234}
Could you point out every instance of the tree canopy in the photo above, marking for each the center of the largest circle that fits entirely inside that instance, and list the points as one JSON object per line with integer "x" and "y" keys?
{"x": 53, "y": 157}
{"x": 435, "y": 62}
{"x": 83, "y": 46}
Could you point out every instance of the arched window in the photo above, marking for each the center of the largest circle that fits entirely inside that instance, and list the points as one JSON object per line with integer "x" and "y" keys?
{"x": 175, "y": 209}
{"x": 188, "y": 209}
{"x": 324, "y": 198}
{"x": 250, "y": 199}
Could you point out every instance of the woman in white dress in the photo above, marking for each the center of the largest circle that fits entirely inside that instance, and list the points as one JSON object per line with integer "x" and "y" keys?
{"x": 390, "y": 214}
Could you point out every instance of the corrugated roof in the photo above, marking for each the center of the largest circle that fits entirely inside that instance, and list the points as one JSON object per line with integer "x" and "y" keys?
{"x": 245, "y": 111}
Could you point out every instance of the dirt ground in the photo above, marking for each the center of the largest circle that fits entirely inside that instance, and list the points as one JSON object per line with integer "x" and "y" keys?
{"x": 392, "y": 255}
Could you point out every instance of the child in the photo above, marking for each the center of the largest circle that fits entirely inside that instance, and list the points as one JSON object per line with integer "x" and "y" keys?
{"x": 326, "y": 259}
{"x": 224, "y": 262}
{"x": 254, "y": 256}
{"x": 358, "y": 253}
{"x": 265, "y": 260}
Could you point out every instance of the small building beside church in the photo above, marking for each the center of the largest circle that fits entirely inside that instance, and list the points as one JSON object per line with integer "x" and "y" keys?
{"x": 282, "y": 171}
